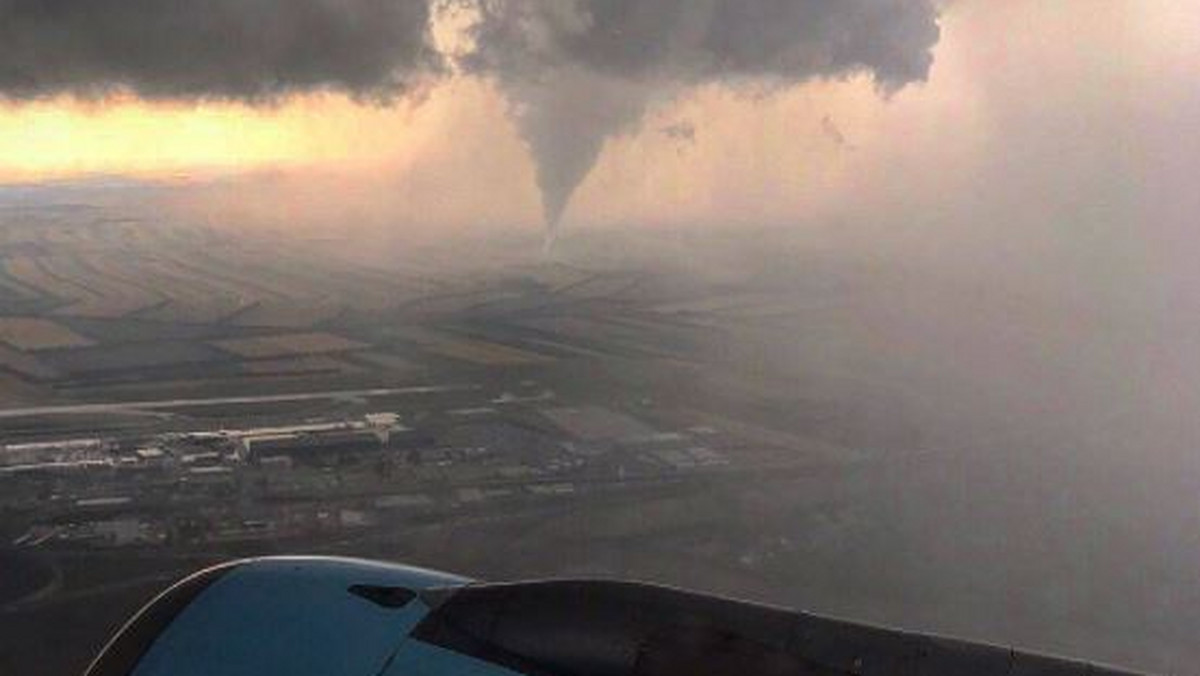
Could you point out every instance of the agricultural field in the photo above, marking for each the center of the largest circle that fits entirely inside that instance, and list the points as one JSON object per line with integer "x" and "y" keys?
{"x": 132, "y": 357}
{"x": 86, "y": 264}
{"x": 16, "y": 298}
{"x": 31, "y": 334}
{"x": 479, "y": 352}
{"x": 31, "y": 272}
{"x": 287, "y": 314}
{"x": 608, "y": 335}
{"x": 107, "y": 293}
{"x": 93, "y": 304}
{"x": 15, "y": 391}
{"x": 289, "y": 344}
{"x": 305, "y": 365}
{"x": 97, "y": 305}
{"x": 25, "y": 365}
{"x": 387, "y": 362}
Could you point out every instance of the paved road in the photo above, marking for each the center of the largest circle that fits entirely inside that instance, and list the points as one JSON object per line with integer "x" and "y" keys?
{"x": 135, "y": 406}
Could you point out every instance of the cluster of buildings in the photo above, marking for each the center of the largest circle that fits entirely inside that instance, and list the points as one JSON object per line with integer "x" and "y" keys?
{"x": 329, "y": 475}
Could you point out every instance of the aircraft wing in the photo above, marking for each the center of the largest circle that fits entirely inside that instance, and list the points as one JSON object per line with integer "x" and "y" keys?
{"x": 298, "y": 616}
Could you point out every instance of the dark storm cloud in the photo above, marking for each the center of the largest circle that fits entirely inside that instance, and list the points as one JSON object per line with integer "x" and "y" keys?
{"x": 223, "y": 49}
{"x": 696, "y": 40}
{"x": 541, "y": 51}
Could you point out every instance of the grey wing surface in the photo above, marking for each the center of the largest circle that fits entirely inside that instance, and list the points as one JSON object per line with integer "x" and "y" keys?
{"x": 599, "y": 628}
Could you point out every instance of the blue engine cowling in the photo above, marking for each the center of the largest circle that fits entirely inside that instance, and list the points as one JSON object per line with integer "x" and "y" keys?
{"x": 297, "y": 616}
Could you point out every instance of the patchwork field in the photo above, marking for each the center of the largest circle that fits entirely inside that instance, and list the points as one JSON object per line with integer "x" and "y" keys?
{"x": 471, "y": 350}
{"x": 389, "y": 362}
{"x": 287, "y": 314}
{"x": 34, "y": 333}
{"x": 92, "y": 304}
{"x": 100, "y": 306}
{"x": 132, "y": 356}
{"x": 25, "y": 365}
{"x": 289, "y": 344}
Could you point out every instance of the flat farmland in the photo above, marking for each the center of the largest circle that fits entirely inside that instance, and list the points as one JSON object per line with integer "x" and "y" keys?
{"x": 471, "y": 350}
{"x": 303, "y": 365}
{"x": 289, "y": 344}
{"x": 26, "y": 365}
{"x": 191, "y": 298}
{"x": 387, "y": 362}
{"x": 606, "y": 335}
{"x": 15, "y": 390}
{"x": 287, "y": 314}
{"x": 87, "y": 264}
{"x": 16, "y": 297}
{"x": 106, "y": 295}
{"x": 600, "y": 286}
{"x": 133, "y": 357}
{"x": 137, "y": 330}
{"x": 122, "y": 287}
{"x": 36, "y": 333}
{"x": 31, "y": 272}
{"x": 445, "y": 304}
{"x": 97, "y": 306}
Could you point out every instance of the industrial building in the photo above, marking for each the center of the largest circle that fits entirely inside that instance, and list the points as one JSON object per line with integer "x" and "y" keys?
{"x": 329, "y": 448}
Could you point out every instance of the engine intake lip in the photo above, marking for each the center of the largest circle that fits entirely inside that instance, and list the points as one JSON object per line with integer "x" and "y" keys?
{"x": 122, "y": 654}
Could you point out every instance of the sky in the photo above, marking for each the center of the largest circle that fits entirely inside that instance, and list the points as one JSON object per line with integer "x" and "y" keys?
{"x": 1024, "y": 111}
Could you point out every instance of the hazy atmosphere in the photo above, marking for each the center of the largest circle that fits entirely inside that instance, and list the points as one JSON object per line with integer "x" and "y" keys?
{"x": 912, "y": 283}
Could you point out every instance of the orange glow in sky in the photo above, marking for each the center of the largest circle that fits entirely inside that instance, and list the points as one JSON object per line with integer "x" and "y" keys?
{"x": 63, "y": 137}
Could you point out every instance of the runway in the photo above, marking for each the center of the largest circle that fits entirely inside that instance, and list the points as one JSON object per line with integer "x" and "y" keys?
{"x": 161, "y": 404}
